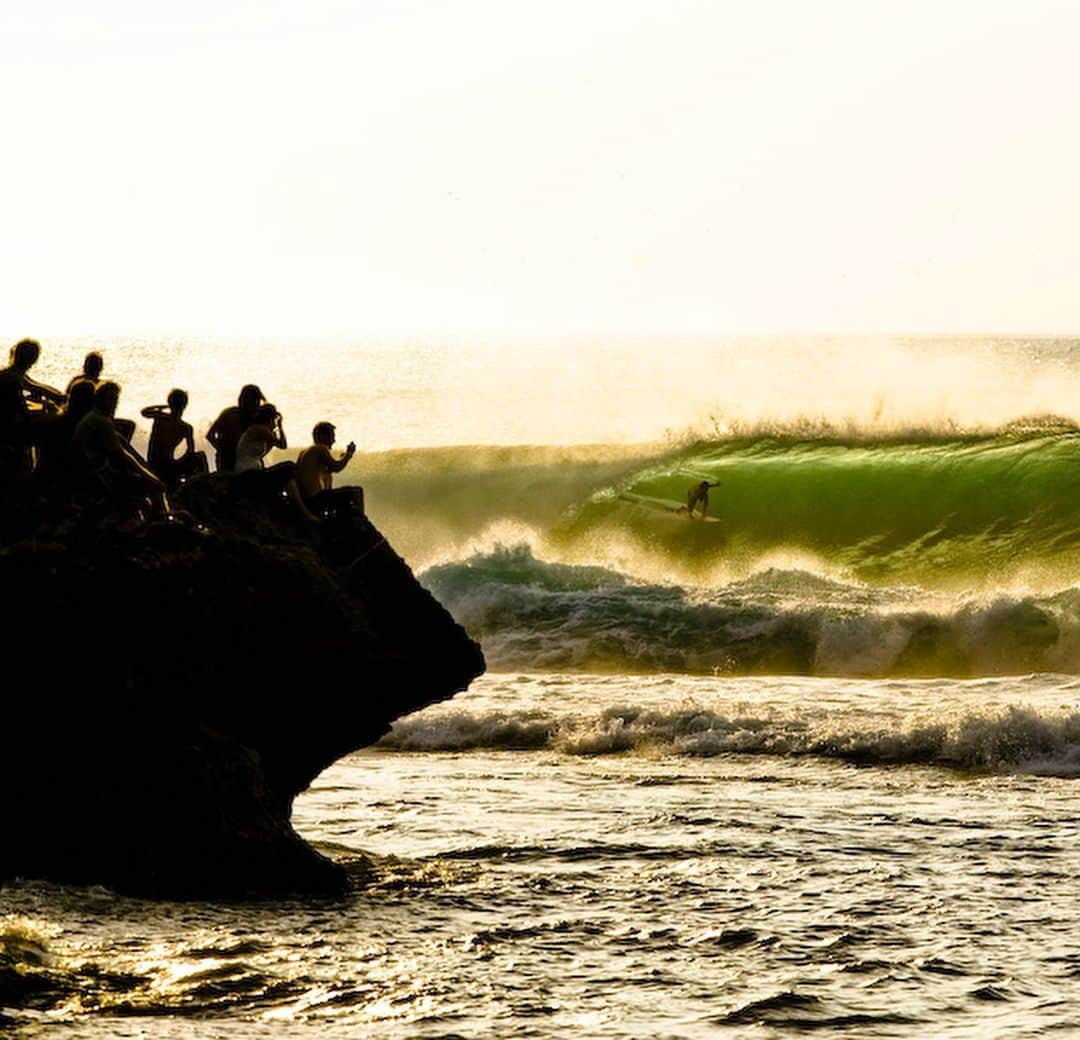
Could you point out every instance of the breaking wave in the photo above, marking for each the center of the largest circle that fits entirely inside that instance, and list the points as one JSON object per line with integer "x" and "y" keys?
{"x": 532, "y": 614}
{"x": 1012, "y": 738}
{"x": 925, "y": 508}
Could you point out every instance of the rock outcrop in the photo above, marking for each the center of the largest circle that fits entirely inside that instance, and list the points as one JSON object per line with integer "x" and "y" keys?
{"x": 169, "y": 691}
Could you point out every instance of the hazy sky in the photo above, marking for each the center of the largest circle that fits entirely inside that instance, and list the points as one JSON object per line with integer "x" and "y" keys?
{"x": 457, "y": 168}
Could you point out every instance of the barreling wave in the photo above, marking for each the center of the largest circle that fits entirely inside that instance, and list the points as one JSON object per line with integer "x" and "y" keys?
{"x": 929, "y": 510}
{"x": 532, "y": 614}
{"x": 1011, "y": 738}
{"x": 942, "y": 511}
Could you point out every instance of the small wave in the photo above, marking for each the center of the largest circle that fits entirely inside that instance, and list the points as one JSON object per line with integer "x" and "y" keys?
{"x": 1013, "y": 738}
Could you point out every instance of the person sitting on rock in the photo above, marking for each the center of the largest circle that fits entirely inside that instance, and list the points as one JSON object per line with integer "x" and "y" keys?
{"x": 315, "y": 469}
{"x": 53, "y": 438}
{"x": 17, "y": 392}
{"x": 256, "y": 442}
{"x": 227, "y": 429}
{"x": 168, "y": 432}
{"x": 110, "y": 466}
{"x": 92, "y": 365}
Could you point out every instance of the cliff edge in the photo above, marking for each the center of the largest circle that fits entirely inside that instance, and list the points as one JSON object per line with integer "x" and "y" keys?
{"x": 169, "y": 691}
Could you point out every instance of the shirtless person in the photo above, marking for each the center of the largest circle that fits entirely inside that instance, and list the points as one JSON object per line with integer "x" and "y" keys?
{"x": 167, "y": 434}
{"x": 699, "y": 495}
{"x": 92, "y": 365}
{"x": 315, "y": 469}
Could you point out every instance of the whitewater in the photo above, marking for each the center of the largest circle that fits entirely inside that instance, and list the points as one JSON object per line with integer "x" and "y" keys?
{"x": 808, "y": 767}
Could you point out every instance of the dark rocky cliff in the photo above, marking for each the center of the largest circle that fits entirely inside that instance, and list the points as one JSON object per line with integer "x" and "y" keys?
{"x": 167, "y": 692}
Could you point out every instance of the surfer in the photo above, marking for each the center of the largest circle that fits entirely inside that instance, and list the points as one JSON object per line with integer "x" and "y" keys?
{"x": 699, "y": 495}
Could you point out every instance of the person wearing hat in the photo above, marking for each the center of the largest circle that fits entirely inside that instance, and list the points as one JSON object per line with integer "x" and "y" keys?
{"x": 315, "y": 469}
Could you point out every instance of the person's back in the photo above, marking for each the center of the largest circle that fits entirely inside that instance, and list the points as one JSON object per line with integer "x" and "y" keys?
{"x": 166, "y": 435}
{"x": 253, "y": 446}
{"x": 95, "y": 443}
{"x": 169, "y": 432}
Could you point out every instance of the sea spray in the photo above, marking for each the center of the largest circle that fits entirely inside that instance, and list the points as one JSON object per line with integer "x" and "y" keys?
{"x": 993, "y": 739}
{"x": 534, "y": 614}
{"x": 944, "y": 512}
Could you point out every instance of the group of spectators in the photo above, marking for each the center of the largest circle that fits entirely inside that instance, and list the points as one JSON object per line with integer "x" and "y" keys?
{"x": 75, "y": 437}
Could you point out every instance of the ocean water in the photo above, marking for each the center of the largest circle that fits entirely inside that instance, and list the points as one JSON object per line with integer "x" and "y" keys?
{"x": 809, "y": 768}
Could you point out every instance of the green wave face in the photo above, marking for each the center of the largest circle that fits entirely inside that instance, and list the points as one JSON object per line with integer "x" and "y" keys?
{"x": 881, "y": 511}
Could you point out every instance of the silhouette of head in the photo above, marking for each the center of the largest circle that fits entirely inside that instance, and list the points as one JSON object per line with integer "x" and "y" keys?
{"x": 25, "y": 353}
{"x": 80, "y": 400}
{"x": 177, "y": 401}
{"x": 250, "y": 398}
{"x": 266, "y": 414}
{"x": 323, "y": 433}
{"x": 107, "y": 397}
{"x": 92, "y": 365}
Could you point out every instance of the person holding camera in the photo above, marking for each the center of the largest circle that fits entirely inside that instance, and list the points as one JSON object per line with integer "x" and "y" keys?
{"x": 256, "y": 442}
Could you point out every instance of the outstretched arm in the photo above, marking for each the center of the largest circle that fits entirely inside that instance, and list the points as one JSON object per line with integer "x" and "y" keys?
{"x": 337, "y": 465}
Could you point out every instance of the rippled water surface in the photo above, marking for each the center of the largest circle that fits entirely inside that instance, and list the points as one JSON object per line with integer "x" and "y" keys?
{"x": 668, "y": 856}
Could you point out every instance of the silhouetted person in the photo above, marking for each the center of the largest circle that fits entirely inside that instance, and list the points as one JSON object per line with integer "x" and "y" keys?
{"x": 315, "y": 469}
{"x": 53, "y": 437}
{"x": 256, "y": 442}
{"x": 698, "y": 495}
{"x": 17, "y": 391}
{"x": 92, "y": 365}
{"x": 229, "y": 427}
{"x": 110, "y": 465}
{"x": 168, "y": 432}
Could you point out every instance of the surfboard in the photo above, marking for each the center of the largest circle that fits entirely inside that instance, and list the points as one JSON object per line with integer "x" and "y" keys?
{"x": 665, "y": 507}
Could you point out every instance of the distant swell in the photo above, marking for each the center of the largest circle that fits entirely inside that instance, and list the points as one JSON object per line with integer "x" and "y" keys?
{"x": 1014, "y": 738}
{"x": 536, "y": 615}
